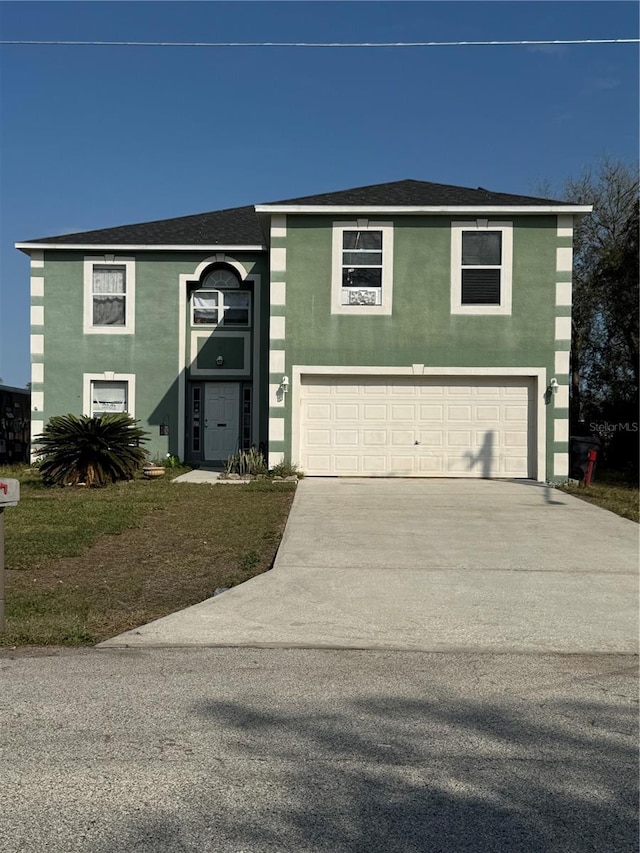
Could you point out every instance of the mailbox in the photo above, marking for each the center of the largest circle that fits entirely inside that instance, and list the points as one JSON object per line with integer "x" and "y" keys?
{"x": 9, "y": 492}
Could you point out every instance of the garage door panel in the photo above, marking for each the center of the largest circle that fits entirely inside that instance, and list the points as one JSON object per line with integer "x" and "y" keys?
{"x": 319, "y": 438}
{"x": 318, "y": 413}
{"x": 432, "y": 413}
{"x": 374, "y": 413}
{"x": 475, "y": 427}
{"x": 346, "y": 437}
{"x": 459, "y": 413}
{"x": 431, "y": 438}
{"x": 403, "y": 413}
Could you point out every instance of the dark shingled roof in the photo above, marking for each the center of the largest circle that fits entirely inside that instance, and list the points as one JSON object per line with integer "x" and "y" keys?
{"x": 235, "y": 226}
{"x": 419, "y": 194}
{"x": 238, "y": 226}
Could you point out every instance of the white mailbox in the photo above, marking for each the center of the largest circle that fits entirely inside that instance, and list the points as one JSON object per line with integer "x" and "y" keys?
{"x": 9, "y": 492}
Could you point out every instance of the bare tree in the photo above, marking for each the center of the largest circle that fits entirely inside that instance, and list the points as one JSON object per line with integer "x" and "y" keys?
{"x": 604, "y": 344}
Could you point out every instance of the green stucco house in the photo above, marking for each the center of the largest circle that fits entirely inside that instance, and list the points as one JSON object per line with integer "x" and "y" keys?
{"x": 406, "y": 329}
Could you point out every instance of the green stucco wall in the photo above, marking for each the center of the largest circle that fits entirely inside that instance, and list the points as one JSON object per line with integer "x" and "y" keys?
{"x": 152, "y": 353}
{"x": 421, "y": 328}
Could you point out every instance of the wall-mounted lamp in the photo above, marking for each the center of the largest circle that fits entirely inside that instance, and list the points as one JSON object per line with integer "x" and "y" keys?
{"x": 553, "y": 385}
{"x": 164, "y": 428}
{"x": 284, "y": 384}
{"x": 219, "y": 361}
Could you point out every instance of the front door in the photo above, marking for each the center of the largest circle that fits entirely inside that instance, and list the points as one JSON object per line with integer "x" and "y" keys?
{"x": 221, "y": 419}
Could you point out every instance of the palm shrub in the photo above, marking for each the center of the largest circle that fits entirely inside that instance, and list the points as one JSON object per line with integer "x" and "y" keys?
{"x": 94, "y": 451}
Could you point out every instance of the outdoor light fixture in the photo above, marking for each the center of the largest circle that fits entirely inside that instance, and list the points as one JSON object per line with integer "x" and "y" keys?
{"x": 164, "y": 428}
{"x": 284, "y": 383}
{"x": 553, "y": 385}
{"x": 219, "y": 361}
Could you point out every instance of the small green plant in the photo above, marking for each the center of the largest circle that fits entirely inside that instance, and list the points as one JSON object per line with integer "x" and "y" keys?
{"x": 171, "y": 461}
{"x": 246, "y": 462}
{"x": 93, "y": 451}
{"x": 286, "y": 469}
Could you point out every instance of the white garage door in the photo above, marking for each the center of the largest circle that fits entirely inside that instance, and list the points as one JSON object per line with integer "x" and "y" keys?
{"x": 447, "y": 427}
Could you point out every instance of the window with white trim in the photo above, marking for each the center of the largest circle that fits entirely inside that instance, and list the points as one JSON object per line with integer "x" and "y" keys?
{"x": 109, "y": 398}
{"x": 362, "y": 267}
{"x": 108, "y": 393}
{"x": 109, "y": 290}
{"x": 221, "y": 307}
{"x": 481, "y": 267}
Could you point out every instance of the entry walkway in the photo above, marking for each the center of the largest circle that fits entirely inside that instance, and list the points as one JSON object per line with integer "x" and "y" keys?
{"x": 432, "y": 565}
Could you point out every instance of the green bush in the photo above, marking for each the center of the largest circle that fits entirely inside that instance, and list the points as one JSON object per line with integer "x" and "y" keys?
{"x": 286, "y": 469}
{"x": 93, "y": 451}
{"x": 246, "y": 462}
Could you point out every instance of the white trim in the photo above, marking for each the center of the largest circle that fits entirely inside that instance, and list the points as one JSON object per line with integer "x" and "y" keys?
{"x": 37, "y": 426}
{"x": 561, "y": 429}
{"x": 37, "y": 344}
{"x": 37, "y": 286}
{"x": 276, "y": 328}
{"x": 563, "y": 328}
{"x": 37, "y": 371}
{"x": 37, "y": 315}
{"x": 276, "y": 429}
{"x": 183, "y": 280}
{"x": 37, "y": 260}
{"x": 278, "y": 225}
{"x": 506, "y": 267}
{"x": 561, "y": 363}
{"x": 276, "y": 361}
{"x": 561, "y": 397}
{"x": 37, "y": 401}
{"x": 211, "y": 372}
{"x": 275, "y": 458}
{"x": 141, "y": 247}
{"x": 563, "y": 293}
{"x": 561, "y": 464}
{"x": 431, "y": 208}
{"x": 129, "y": 264}
{"x": 278, "y": 293}
{"x": 564, "y": 259}
{"x": 108, "y": 376}
{"x": 278, "y": 259}
{"x": 565, "y": 226}
{"x": 538, "y": 374}
{"x": 386, "y": 305}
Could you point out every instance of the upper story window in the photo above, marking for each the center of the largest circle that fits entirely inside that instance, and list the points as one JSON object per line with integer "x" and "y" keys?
{"x": 362, "y": 275}
{"x": 481, "y": 267}
{"x": 220, "y": 301}
{"x": 109, "y": 292}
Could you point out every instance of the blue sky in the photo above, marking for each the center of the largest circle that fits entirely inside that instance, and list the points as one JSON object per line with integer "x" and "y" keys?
{"x": 99, "y": 136}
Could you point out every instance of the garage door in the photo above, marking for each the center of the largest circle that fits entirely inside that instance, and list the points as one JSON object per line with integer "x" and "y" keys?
{"x": 453, "y": 427}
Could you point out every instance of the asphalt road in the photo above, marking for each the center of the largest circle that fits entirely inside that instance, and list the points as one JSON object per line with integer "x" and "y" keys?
{"x": 256, "y": 750}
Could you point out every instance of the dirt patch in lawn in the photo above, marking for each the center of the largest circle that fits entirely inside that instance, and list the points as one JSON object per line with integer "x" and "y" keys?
{"x": 203, "y": 537}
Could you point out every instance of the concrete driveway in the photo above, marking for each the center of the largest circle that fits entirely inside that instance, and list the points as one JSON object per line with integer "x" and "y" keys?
{"x": 430, "y": 565}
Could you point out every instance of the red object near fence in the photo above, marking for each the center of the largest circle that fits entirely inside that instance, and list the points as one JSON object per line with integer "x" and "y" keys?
{"x": 592, "y": 455}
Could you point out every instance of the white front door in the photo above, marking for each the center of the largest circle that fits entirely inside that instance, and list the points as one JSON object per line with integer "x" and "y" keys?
{"x": 221, "y": 419}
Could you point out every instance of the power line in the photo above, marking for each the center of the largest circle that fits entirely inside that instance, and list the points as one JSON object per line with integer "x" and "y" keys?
{"x": 523, "y": 42}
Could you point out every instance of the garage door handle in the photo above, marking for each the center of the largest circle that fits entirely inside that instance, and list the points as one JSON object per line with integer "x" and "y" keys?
{"x": 221, "y": 425}
{"x": 416, "y": 442}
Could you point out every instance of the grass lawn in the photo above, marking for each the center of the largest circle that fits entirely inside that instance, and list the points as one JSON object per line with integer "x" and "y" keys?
{"x": 86, "y": 564}
{"x": 612, "y": 492}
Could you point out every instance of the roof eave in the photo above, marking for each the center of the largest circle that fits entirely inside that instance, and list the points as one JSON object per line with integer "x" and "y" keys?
{"x": 146, "y": 247}
{"x": 580, "y": 210}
